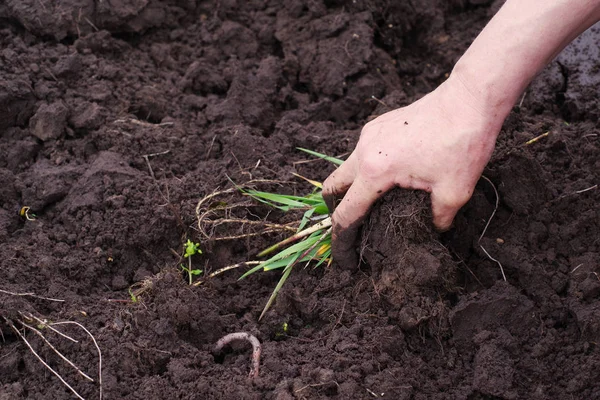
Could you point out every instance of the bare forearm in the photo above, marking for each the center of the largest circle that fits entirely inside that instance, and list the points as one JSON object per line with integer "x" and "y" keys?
{"x": 516, "y": 44}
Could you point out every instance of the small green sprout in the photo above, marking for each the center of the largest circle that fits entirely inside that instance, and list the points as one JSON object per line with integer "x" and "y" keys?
{"x": 132, "y": 296}
{"x": 283, "y": 331}
{"x": 26, "y": 213}
{"x": 189, "y": 249}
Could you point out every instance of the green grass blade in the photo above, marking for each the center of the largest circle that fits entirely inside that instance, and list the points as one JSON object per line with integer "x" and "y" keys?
{"x": 296, "y": 248}
{"x": 305, "y": 218}
{"x": 333, "y": 160}
{"x": 251, "y": 271}
{"x": 284, "y": 199}
{"x": 286, "y": 274}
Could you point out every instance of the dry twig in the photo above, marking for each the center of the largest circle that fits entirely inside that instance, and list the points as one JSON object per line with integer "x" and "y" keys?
{"x": 30, "y": 295}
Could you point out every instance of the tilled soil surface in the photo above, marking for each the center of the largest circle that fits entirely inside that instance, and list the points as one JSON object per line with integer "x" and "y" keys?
{"x": 117, "y": 117}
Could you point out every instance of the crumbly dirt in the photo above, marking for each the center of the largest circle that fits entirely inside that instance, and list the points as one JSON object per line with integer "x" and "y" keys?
{"x": 116, "y": 117}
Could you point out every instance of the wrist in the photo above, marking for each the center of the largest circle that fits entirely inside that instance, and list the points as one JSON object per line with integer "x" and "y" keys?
{"x": 492, "y": 96}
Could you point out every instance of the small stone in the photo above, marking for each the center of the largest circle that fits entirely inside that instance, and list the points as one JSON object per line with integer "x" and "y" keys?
{"x": 67, "y": 66}
{"x": 49, "y": 121}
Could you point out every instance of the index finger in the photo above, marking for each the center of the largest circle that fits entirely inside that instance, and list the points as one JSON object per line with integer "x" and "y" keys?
{"x": 350, "y": 215}
{"x": 338, "y": 182}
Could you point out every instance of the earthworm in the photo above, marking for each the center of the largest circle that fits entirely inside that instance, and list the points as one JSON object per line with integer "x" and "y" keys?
{"x": 256, "y": 348}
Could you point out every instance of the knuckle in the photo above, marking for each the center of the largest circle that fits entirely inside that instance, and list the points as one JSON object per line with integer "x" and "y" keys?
{"x": 373, "y": 166}
{"x": 369, "y": 130}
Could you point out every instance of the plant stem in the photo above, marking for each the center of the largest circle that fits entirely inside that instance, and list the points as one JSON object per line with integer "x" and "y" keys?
{"x": 326, "y": 223}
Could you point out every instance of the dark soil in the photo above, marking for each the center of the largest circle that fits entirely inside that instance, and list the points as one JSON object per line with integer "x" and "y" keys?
{"x": 116, "y": 117}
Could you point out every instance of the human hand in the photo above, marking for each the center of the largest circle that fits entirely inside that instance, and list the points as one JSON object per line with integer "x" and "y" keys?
{"x": 439, "y": 144}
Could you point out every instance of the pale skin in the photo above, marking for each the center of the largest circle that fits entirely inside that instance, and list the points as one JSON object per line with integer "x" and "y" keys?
{"x": 442, "y": 142}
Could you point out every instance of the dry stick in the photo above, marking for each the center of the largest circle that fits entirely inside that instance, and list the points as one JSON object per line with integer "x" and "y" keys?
{"x": 379, "y": 101}
{"x": 14, "y": 328}
{"x": 578, "y": 192}
{"x": 30, "y": 295}
{"x": 37, "y": 332}
{"x": 95, "y": 344}
{"x": 535, "y": 139}
{"x": 225, "y": 269}
{"x": 212, "y": 142}
{"x": 488, "y": 224}
{"x": 522, "y": 99}
{"x": 147, "y": 156}
{"x": 256, "y": 348}
{"x": 577, "y": 267}
{"x": 585, "y": 190}
{"x": 142, "y": 123}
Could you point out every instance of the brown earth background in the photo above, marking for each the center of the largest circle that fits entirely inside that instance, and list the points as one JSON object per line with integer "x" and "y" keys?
{"x": 207, "y": 90}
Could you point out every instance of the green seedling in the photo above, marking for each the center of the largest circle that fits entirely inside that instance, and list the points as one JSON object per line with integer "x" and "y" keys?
{"x": 132, "y": 296}
{"x": 311, "y": 243}
{"x": 283, "y": 331}
{"x": 190, "y": 248}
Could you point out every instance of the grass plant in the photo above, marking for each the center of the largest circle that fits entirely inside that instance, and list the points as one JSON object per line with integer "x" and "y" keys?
{"x": 312, "y": 240}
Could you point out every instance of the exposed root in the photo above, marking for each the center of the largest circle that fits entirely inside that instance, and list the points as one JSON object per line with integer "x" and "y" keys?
{"x": 65, "y": 359}
{"x": 256, "y": 348}
{"x": 211, "y": 214}
{"x": 95, "y": 344}
{"x": 30, "y": 295}
{"x": 28, "y": 321}
{"x": 488, "y": 224}
{"x": 18, "y": 332}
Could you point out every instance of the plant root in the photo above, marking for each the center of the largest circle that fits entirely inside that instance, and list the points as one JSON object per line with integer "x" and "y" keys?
{"x": 256, "y": 348}
{"x": 40, "y": 359}
{"x": 488, "y": 224}
{"x": 210, "y": 217}
{"x": 35, "y": 324}
{"x": 30, "y": 295}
